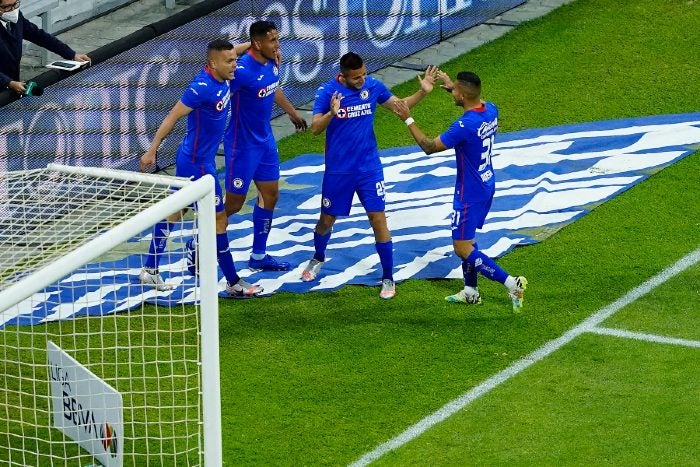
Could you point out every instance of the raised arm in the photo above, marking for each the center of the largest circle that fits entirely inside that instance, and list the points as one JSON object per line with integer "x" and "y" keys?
{"x": 427, "y": 82}
{"x": 321, "y": 121}
{"x": 428, "y": 145}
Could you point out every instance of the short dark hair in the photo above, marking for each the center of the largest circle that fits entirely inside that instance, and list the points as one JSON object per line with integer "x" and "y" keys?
{"x": 260, "y": 28}
{"x": 218, "y": 45}
{"x": 471, "y": 82}
{"x": 350, "y": 61}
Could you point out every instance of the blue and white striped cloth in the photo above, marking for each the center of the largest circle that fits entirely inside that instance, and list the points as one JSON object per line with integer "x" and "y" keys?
{"x": 546, "y": 178}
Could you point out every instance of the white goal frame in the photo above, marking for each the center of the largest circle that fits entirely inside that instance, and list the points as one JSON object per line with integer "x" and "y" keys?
{"x": 189, "y": 192}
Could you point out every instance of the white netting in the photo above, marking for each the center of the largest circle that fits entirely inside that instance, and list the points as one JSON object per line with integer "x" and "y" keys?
{"x": 151, "y": 355}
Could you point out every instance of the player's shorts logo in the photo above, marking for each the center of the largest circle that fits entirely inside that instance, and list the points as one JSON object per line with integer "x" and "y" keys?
{"x": 237, "y": 182}
{"x": 220, "y": 105}
{"x": 364, "y": 94}
{"x": 326, "y": 202}
{"x": 342, "y": 113}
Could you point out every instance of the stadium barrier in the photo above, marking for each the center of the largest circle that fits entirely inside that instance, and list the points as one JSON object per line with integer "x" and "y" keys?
{"x": 105, "y": 115}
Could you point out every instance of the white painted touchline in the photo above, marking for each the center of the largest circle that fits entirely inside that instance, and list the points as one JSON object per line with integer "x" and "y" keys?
{"x": 587, "y": 325}
{"x": 644, "y": 337}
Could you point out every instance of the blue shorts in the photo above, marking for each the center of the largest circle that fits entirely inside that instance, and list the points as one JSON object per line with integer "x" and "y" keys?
{"x": 260, "y": 163}
{"x": 195, "y": 171}
{"x": 338, "y": 191}
{"x": 465, "y": 221}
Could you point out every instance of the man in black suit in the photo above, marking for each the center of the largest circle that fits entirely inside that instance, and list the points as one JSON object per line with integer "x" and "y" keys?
{"x": 15, "y": 28}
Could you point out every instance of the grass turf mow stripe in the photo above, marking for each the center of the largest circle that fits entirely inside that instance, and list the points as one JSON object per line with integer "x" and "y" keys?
{"x": 588, "y": 325}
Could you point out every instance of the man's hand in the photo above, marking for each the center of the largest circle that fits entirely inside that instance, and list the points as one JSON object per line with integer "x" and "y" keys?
{"x": 335, "y": 102}
{"x": 17, "y": 86}
{"x": 298, "y": 121}
{"x": 148, "y": 160}
{"x": 82, "y": 58}
{"x": 428, "y": 80}
{"x": 278, "y": 58}
{"x": 447, "y": 85}
{"x": 401, "y": 109}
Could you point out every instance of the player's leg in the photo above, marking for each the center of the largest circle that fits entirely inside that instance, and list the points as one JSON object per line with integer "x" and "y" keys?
{"x": 464, "y": 224}
{"x": 372, "y": 194}
{"x": 235, "y": 286}
{"x": 322, "y": 234}
{"x": 263, "y": 212}
{"x": 337, "y": 191}
{"x": 266, "y": 178}
{"x": 150, "y": 275}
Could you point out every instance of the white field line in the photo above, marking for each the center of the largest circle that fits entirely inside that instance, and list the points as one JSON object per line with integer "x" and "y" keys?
{"x": 644, "y": 337}
{"x": 587, "y": 325}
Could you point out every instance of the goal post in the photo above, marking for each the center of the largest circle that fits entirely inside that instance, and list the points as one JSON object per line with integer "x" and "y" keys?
{"x": 62, "y": 223}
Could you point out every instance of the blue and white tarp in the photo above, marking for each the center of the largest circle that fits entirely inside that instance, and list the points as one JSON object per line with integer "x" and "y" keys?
{"x": 546, "y": 178}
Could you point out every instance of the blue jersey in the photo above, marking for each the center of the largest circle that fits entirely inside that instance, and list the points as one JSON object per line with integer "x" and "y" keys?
{"x": 253, "y": 90}
{"x": 472, "y": 137}
{"x": 350, "y": 142}
{"x": 211, "y": 104}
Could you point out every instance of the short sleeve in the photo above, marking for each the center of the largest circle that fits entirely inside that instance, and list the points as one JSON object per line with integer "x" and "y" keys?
{"x": 383, "y": 94}
{"x": 240, "y": 78}
{"x": 322, "y": 101}
{"x": 195, "y": 95}
{"x": 453, "y": 135}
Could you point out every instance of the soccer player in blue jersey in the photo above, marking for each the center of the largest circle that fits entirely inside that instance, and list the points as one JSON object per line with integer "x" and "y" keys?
{"x": 472, "y": 137}
{"x": 249, "y": 145}
{"x": 206, "y": 103}
{"x": 345, "y": 107}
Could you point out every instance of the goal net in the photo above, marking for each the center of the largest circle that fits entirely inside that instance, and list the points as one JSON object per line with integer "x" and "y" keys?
{"x": 80, "y": 387}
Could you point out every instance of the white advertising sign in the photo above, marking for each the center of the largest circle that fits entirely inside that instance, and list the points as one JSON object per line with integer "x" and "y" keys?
{"x": 85, "y": 408}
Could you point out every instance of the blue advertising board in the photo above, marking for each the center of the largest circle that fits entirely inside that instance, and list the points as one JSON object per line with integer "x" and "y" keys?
{"x": 107, "y": 114}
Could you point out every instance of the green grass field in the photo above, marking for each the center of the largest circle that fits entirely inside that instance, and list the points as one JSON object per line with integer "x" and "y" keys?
{"x": 323, "y": 378}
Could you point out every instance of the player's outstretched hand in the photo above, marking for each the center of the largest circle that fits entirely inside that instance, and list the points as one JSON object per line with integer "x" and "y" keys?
{"x": 401, "y": 109}
{"x": 447, "y": 83}
{"x": 428, "y": 80}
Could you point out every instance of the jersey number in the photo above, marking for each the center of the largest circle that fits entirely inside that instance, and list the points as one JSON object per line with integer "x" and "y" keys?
{"x": 486, "y": 153}
{"x": 381, "y": 192}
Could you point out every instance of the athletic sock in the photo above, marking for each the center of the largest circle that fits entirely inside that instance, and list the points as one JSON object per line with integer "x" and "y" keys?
{"x": 320, "y": 244}
{"x": 486, "y": 266}
{"x": 386, "y": 258}
{"x": 471, "y": 275}
{"x": 158, "y": 242}
{"x": 262, "y": 221}
{"x": 225, "y": 259}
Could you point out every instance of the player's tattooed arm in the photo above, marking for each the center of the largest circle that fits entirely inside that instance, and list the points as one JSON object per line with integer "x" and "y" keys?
{"x": 428, "y": 145}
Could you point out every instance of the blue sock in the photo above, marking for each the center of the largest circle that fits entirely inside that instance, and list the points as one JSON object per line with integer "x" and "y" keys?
{"x": 320, "y": 244}
{"x": 486, "y": 266}
{"x": 386, "y": 257}
{"x": 470, "y": 273}
{"x": 158, "y": 241}
{"x": 262, "y": 221}
{"x": 225, "y": 259}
